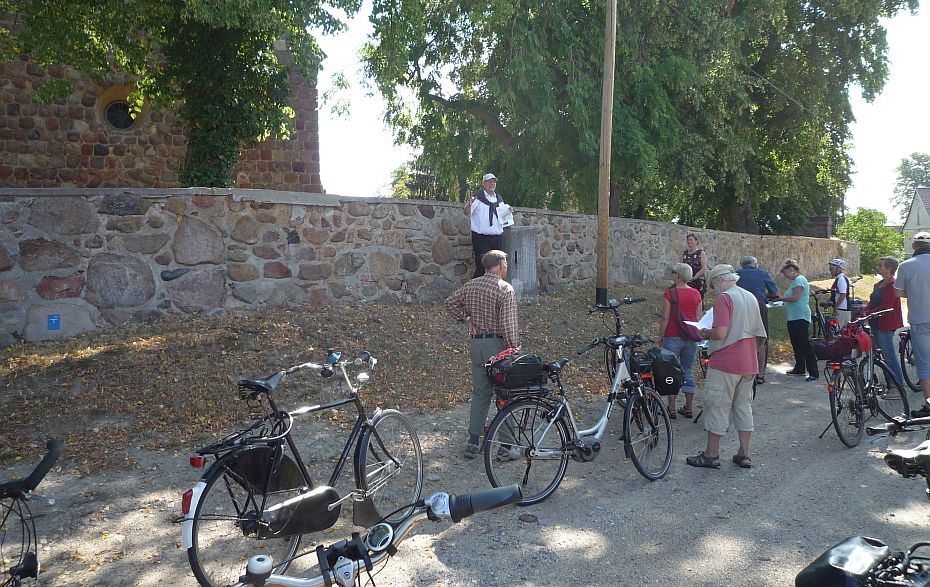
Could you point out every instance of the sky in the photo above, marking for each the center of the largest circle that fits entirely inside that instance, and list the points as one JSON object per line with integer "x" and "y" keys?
{"x": 358, "y": 154}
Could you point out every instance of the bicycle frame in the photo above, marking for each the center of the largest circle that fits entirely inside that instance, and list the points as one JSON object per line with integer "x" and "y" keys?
{"x": 278, "y": 475}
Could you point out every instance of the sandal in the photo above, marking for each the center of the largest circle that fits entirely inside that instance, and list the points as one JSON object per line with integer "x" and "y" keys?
{"x": 671, "y": 413}
{"x": 684, "y": 412}
{"x": 702, "y": 460}
{"x": 743, "y": 461}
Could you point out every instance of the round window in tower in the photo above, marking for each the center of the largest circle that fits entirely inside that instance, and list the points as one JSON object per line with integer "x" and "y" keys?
{"x": 119, "y": 115}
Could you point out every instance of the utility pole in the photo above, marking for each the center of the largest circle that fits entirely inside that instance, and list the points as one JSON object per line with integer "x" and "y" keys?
{"x": 603, "y": 176}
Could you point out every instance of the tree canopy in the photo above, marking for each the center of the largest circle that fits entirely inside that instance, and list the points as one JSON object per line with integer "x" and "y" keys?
{"x": 913, "y": 172}
{"x": 867, "y": 227}
{"x": 733, "y": 115}
{"x": 215, "y": 61}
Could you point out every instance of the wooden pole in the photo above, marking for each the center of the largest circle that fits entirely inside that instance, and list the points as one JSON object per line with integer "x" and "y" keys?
{"x": 603, "y": 180}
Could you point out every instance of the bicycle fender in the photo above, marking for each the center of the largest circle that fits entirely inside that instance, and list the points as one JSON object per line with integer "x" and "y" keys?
{"x": 187, "y": 527}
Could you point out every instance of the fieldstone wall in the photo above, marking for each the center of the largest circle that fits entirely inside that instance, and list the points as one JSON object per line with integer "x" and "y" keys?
{"x": 74, "y": 260}
{"x": 70, "y": 144}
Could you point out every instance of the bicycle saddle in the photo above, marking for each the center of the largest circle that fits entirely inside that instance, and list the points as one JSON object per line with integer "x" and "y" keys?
{"x": 910, "y": 462}
{"x": 555, "y": 366}
{"x": 266, "y": 384}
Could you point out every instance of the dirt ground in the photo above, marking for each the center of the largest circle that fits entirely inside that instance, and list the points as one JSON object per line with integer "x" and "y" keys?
{"x": 605, "y": 525}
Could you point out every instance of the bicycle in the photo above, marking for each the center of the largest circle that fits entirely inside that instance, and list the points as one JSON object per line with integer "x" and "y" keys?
{"x": 822, "y": 326}
{"x": 867, "y": 561}
{"x": 861, "y": 388}
{"x": 345, "y": 561}
{"x": 255, "y": 496}
{"x": 532, "y": 438}
{"x": 18, "y": 538}
{"x": 908, "y": 361}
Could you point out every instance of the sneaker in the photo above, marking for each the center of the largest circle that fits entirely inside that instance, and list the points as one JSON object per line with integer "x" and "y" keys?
{"x": 760, "y": 379}
{"x": 794, "y": 372}
{"x": 509, "y": 454}
{"x": 471, "y": 450}
{"x": 812, "y": 378}
{"x": 921, "y": 413}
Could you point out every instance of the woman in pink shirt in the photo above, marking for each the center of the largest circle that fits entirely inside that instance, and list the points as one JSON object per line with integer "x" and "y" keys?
{"x": 689, "y": 300}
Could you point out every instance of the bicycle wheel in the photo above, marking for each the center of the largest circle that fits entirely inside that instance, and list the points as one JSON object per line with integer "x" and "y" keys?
{"x": 908, "y": 363}
{"x": 647, "y": 434}
{"x": 18, "y": 561}
{"x": 225, "y": 525}
{"x": 392, "y": 464}
{"x": 890, "y": 397}
{"x": 523, "y": 426}
{"x": 846, "y": 408}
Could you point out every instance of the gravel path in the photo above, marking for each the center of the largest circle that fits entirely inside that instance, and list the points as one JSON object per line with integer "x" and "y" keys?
{"x": 604, "y": 525}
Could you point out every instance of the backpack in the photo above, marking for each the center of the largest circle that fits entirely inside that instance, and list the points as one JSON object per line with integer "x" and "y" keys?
{"x": 667, "y": 374}
{"x": 512, "y": 369}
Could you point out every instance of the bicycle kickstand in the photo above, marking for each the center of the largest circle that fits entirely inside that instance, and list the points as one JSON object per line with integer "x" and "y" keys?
{"x": 830, "y": 425}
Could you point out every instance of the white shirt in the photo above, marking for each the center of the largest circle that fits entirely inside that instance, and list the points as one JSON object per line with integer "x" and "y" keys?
{"x": 479, "y": 217}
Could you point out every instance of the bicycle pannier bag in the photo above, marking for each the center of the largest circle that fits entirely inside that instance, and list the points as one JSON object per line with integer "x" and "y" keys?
{"x": 515, "y": 369}
{"x": 848, "y": 564}
{"x": 688, "y": 332}
{"x": 667, "y": 375}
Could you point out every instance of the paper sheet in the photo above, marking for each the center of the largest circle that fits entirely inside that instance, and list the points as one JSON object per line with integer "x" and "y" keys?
{"x": 775, "y": 304}
{"x": 706, "y": 321}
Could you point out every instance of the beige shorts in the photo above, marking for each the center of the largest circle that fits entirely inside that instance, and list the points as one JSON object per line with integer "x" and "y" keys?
{"x": 726, "y": 394}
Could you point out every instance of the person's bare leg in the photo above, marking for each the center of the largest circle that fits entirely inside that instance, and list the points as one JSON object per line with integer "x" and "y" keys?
{"x": 744, "y": 437}
{"x": 713, "y": 446}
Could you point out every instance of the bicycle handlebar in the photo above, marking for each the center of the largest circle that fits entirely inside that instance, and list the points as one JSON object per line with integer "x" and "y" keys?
{"x": 897, "y": 425}
{"x": 616, "y": 341}
{"x": 613, "y": 305}
{"x": 352, "y": 555}
{"x": 19, "y": 487}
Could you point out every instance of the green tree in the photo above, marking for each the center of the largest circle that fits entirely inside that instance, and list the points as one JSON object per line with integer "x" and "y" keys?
{"x": 913, "y": 172}
{"x": 215, "y": 61}
{"x": 867, "y": 227}
{"x": 733, "y": 115}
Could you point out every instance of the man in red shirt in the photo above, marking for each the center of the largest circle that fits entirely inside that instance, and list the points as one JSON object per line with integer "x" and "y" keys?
{"x": 733, "y": 367}
{"x": 488, "y": 304}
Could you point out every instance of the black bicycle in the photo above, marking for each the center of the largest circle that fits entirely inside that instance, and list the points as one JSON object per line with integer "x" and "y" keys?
{"x": 908, "y": 361}
{"x": 870, "y": 562}
{"x": 823, "y": 327}
{"x": 258, "y": 497}
{"x": 861, "y": 387}
{"x": 19, "y": 546}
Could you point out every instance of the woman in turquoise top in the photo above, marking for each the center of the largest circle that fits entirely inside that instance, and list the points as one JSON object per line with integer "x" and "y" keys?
{"x": 798, "y": 314}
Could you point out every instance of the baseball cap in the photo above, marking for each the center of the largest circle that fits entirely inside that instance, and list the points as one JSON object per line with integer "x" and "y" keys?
{"x": 488, "y": 176}
{"x": 922, "y": 237}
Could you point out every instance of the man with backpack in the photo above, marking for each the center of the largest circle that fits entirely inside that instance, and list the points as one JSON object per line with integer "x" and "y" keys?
{"x": 488, "y": 304}
{"x": 840, "y": 291}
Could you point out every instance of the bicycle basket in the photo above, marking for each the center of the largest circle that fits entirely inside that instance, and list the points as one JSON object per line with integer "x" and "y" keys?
{"x": 837, "y": 348}
{"x": 512, "y": 370}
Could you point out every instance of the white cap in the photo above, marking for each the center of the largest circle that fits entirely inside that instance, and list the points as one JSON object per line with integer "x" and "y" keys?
{"x": 488, "y": 176}
{"x": 921, "y": 237}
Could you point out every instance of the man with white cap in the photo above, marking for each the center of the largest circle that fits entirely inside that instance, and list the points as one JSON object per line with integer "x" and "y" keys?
{"x": 913, "y": 282}
{"x": 732, "y": 369}
{"x": 487, "y": 231}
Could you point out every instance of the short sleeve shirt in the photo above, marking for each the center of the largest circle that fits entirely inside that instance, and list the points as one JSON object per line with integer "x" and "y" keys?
{"x": 740, "y": 357}
{"x": 801, "y": 309}
{"x": 688, "y": 299}
{"x": 914, "y": 278}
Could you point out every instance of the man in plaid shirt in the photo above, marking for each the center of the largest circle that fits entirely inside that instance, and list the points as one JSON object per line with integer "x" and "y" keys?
{"x": 488, "y": 305}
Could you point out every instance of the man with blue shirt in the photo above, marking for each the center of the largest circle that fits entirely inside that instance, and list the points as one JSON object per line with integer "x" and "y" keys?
{"x": 913, "y": 282}
{"x": 759, "y": 283}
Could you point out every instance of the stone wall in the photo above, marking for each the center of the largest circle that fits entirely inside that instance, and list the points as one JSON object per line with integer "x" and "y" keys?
{"x": 70, "y": 144}
{"x": 73, "y": 260}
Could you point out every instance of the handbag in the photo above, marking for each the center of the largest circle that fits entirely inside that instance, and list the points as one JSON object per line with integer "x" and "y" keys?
{"x": 688, "y": 332}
